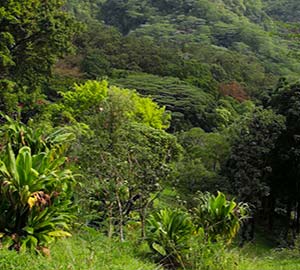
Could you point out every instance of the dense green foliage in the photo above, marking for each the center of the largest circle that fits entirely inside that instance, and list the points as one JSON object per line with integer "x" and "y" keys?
{"x": 166, "y": 111}
{"x": 175, "y": 236}
{"x": 33, "y": 35}
{"x": 200, "y": 41}
{"x": 126, "y": 155}
{"x": 169, "y": 234}
{"x": 248, "y": 166}
{"x": 190, "y": 106}
{"x": 219, "y": 218}
{"x": 35, "y": 188}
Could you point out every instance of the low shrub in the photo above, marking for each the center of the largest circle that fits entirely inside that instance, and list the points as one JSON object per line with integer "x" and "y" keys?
{"x": 168, "y": 234}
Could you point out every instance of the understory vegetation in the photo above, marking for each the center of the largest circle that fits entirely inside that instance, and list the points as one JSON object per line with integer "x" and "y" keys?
{"x": 149, "y": 134}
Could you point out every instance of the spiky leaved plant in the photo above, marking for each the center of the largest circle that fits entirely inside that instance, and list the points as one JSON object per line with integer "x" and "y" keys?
{"x": 168, "y": 234}
{"x": 218, "y": 217}
{"x": 35, "y": 191}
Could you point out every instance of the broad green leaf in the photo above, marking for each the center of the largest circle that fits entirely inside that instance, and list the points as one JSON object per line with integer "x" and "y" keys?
{"x": 59, "y": 233}
{"x": 159, "y": 249}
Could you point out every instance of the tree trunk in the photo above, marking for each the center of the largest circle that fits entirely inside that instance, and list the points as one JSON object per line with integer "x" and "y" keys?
{"x": 110, "y": 225}
{"x": 121, "y": 219}
{"x": 271, "y": 213}
{"x": 298, "y": 215}
{"x": 252, "y": 228}
{"x": 288, "y": 220}
{"x": 143, "y": 222}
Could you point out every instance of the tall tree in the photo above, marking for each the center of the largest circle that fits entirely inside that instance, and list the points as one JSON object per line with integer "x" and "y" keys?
{"x": 128, "y": 154}
{"x": 248, "y": 166}
{"x": 286, "y": 159}
{"x": 33, "y": 34}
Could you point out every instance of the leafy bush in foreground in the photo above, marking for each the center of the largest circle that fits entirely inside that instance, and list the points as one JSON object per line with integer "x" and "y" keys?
{"x": 169, "y": 234}
{"x": 179, "y": 243}
{"x": 35, "y": 192}
{"x": 219, "y": 217}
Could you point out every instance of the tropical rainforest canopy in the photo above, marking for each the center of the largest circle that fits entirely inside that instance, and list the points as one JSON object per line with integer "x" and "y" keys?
{"x": 179, "y": 115}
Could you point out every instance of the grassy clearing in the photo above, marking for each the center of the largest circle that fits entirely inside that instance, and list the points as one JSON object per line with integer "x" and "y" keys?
{"x": 273, "y": 260}
{"x": 84, "y": 251}
{"x": 262, "y": 255}
{"x": 90, "y": 250}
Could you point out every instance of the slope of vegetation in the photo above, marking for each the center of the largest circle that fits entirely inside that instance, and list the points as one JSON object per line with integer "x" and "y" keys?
{"x": 236, "y": 39}
{"x": 149, "y": 134}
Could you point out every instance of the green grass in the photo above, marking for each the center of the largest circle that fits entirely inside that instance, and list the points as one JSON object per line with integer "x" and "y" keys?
{"x": 262, "y": 255}
{"x": 84, "y": 251}
{"x": 91, "y": 250}
{"x": 270, "y": 261}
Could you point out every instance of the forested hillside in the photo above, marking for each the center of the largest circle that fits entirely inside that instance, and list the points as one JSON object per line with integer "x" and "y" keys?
{"x": 166, "y": 129}
{"x": 221, "y": 33}
{"x": 224, "y": 48}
